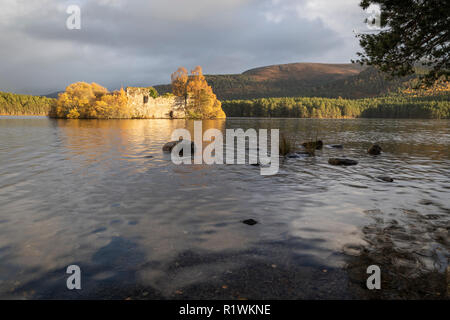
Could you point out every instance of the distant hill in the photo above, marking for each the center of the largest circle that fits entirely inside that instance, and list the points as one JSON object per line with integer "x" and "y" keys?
{"x": 368, "y": 83}
{"x": 298, "y": 79}
{"x": 301, "y": 79}
{"x": 309, "y": 72}
{"x": 53, "y": 95}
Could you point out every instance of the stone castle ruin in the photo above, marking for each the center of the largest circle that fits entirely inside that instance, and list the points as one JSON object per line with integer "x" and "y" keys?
{"x": 146, "y": 107}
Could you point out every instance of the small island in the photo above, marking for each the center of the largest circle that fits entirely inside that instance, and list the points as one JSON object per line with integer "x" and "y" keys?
{"x": 192, "y": 98}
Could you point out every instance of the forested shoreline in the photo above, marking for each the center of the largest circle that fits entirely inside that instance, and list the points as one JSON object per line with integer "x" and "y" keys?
{"x": 24, "y": 105}
{"x": 399, "y": 106}
{"x": 394, "y": 106}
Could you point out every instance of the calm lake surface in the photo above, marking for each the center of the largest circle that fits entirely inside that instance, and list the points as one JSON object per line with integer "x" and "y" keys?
{"x": 102, "y": 195}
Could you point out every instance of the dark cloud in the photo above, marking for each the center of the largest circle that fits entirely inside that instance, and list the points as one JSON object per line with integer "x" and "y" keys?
{"x": 141, "y": 42}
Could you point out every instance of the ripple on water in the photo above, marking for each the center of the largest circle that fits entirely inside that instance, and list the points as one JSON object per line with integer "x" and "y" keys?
{"x": 102, "y": 194}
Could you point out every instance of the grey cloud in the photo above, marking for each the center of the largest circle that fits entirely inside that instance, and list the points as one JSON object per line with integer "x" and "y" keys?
{"x": 141, "y": 42}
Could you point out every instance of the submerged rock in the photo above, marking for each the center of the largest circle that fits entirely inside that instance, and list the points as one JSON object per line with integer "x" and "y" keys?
{"x": 374, "y": 150}
{"x": 170, "y": 145}
{"x": 250, "y": 222}
{"x": 426, "y": 202}
{"x": 298, "y": 154}
{"x": 386, "y": 178}
{"x": 292, "y": 155}
{"x": 342, "y": 162}
{"x": 318, "y": 145}
{"x": 335, "y": 146}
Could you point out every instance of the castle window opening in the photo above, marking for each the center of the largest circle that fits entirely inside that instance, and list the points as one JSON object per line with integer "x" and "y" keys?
{"x": 145, "y": 99}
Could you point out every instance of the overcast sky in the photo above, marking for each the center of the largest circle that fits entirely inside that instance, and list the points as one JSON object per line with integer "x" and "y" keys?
{"x": 141, "y": 42}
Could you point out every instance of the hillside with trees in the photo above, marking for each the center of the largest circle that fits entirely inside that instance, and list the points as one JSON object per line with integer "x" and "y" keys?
{"x": 19, "y": 104}
{"x": 302, "y": 79}
{"x": 394, "y": 106}
{"x": 294, "y": 90}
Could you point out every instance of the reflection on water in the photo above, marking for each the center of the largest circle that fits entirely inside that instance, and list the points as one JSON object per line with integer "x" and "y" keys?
{"x": 102, "y": 195}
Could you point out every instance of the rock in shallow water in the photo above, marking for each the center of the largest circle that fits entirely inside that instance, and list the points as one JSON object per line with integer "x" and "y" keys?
{"x": 250, "y": 222}
{"x": 318, "y": 145}
{"x": 335, "y": 146}
{"x": 386, "y": 178}
{"x": 374, "y": 150}
{"x": 299, "y": 154}
{"x": 342, "y": 162}
{"x": 170, "y": 145}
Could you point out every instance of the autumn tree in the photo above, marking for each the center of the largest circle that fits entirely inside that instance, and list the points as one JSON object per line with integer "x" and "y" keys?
{"x": 179, "y": 84}
{"x": 200, "y": 101}
{"x": 76, "y": 100}
{"x": 113, "y": 106}
{"x": 200, "y": 93}
{"x": 84, "y": 100}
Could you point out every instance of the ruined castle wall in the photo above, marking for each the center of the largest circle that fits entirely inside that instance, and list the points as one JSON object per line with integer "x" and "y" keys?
{"x": 146, "y": 107}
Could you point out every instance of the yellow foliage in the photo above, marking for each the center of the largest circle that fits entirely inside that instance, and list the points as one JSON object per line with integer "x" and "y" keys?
{"x": 439, "y": 87}
{"x": 73, "y": 114}
{"x": 113, "y": 105}
{"x": 84, "y": 100}
{"x": 179, "y": 82}
{"x": 202, "y": 103}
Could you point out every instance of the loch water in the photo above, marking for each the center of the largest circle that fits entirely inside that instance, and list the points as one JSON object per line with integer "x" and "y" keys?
{"x": 102, "y": 195}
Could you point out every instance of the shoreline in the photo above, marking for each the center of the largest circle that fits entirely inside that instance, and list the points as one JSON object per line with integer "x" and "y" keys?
{"x": 252, "y": 118}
